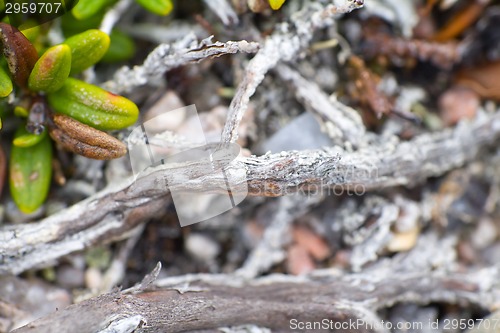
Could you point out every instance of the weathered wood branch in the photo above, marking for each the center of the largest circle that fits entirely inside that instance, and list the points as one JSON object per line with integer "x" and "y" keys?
{"x": 113, "y": 212}
{"x": 345, "y": 124}
{"x": 272, "y": 302}
{"x": 284, "y": 44}
{"x": 223, "y": 10}
{"x": 165, "y": 57}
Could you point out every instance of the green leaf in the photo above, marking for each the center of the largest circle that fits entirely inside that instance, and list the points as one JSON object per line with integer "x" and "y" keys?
{"x": 88, "y": 8}
{"x": 93, "y": 106}
{"x": 121, "y": 48}
{"x": 51, "y": 70}
{"x": 30, "y": 174}
{"x": 6, "y": 86}
{"x": 87, "y": 48}
{"x": 26, "y": 139}
{"x": 159, "y": 7}
{"x": 20, "y": 111}
{"x": 71, "y": 25}
{"x": 32, "y": 32}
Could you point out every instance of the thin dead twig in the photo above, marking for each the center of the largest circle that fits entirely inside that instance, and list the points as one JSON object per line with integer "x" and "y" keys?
{"x": 165, "y": 57}
{"x": 346, "y": 122}
{"x": 113, "y": 15}
{"x": 283, "y": 45}
{"x": 223, "y": 10}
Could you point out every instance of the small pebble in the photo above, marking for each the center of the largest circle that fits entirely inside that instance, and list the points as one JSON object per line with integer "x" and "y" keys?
{"x": 202, "y": 247}
{"x": 314, "y": 244}
{"x": 93, "y": 278}
{"x": 485, "y": 234}
{"x": 14, "y": 215}
{"x": 54, "y": 206}
{"x": 311, "y": 136}
{"x": 403, "y": 241}
{"x": 70, "y": 277}
{"x": 298, "y": 260}
{"x": 458, "y": 103}
{"x": 170, "y": 120}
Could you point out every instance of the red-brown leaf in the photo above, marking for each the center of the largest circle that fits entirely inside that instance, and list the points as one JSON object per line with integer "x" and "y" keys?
{"x": 21, "y": 55}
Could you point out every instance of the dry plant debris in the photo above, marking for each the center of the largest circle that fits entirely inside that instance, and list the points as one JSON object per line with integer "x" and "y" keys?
{"x": 391, "y": 215}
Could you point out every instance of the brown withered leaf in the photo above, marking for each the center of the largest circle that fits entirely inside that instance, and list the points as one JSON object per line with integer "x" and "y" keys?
{"x": 84, "y": 140}
{"x": 482, "y": 79}
{"x": 311, "y": 242}
{"x": 366, "y": 92}
{"x": 366, "y": 83}
{"x": 462, "y": 20}
{"x": 400, "y": 50}
{"x": 21, "y": 55}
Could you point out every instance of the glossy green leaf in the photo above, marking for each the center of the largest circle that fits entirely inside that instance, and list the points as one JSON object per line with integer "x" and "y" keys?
{"x": 30, "y": 174}
{"x": 85, "y": 9}
{"x": 87, "y": 48}
{"x": 6, "y": 86}
{"x": 93, "y": 106}
{"x": 71, "y": 25}
{"x": 51, "y": 70}
{"x": 121, "y": 48}
{"x": 26, "y": 139}
{"x": 159, "y": 7}
{"x": 32, "y": 32}
{"x": 20, "y": 111}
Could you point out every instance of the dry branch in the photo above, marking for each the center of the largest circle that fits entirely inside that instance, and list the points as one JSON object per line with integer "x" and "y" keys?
{"x": 113, "y": 15}
{"x": 224, "y": 10}
{"x": 283, "y": 45}
{"x": 427, "y": 274}
{"x": 345, "y": 124}
{"x": 166, "y": 57}
{"x": 115, "y": 211}
{"x": 271, "y": 302}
